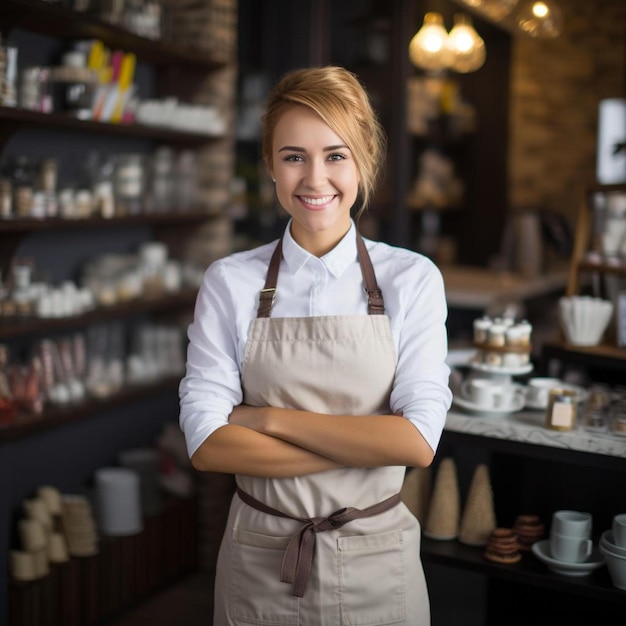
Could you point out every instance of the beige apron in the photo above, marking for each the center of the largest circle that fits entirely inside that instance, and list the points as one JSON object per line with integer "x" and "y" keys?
{"x": 364, "y": 572}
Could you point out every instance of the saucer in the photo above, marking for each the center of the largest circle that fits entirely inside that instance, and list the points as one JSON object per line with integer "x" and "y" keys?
{"x": 517, "y": 404}
{"x": 541, "y": 549}
{"x": 581, "y": 395}
{"x": 502, "y": 369}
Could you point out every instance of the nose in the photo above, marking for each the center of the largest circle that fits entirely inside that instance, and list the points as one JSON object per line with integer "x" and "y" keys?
{"x": 316, "y": 174}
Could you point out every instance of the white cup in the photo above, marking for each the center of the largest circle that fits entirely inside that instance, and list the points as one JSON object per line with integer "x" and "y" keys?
{"x": 538, "y": 390}
{"x": 486, "y": 393}
{"x": 572, "y": 523}
{"x": 619, "y": 530}
{"x": 569, "y": 549}
{"x": 118, "y": 501}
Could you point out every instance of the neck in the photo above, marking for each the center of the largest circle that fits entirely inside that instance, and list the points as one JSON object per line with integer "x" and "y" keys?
{"x": 317, "y": 243}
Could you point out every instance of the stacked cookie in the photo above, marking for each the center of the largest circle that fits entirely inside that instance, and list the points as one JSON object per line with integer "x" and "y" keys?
{"x": 529, "y": 529}
{"x": 503, "y": 546}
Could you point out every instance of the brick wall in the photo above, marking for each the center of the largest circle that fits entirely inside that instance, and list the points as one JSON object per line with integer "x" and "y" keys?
{"x": 556, "y": 89}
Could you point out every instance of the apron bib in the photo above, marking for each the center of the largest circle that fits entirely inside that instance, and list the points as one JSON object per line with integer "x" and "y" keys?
{"x": 368, "y": 570}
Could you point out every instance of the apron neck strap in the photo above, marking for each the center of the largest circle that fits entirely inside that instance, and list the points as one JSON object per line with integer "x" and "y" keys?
{"x": 375, "y": 302}
{"x": 268, "y": 293}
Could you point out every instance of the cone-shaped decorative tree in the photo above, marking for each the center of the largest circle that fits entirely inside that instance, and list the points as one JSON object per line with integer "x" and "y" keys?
{"x": 479, "y": 518}
{"x": 442, "y": 521}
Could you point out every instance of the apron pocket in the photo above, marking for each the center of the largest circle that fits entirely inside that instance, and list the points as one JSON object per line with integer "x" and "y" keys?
{"x": 372, "y": 579}
{"x": 257, "y": 594}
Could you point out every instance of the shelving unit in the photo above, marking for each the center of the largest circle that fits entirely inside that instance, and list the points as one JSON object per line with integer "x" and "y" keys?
{"x": 181, "y": 300}
{"x": 19, "y": 118}
{"x": 65, "y": 23}
{"x": 68, "y": 442}
{"x": 535, "y": 470}
{"x": 583, "y": 244}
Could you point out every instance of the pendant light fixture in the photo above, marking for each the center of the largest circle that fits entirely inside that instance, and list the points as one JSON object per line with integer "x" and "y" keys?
{"x": 541, "y": 20}
{"x": 466, "y": 45}
{"x": 428, "y": 48}
{"x": 432, "y": 48}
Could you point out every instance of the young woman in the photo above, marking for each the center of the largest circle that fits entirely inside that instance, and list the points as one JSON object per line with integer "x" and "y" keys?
{"x": 316, "y": 373}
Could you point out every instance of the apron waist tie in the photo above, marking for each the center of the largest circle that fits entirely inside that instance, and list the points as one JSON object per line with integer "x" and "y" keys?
{"x": 298, "y": 557}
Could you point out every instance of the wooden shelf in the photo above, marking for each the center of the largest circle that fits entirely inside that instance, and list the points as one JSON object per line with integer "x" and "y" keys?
{"x": 60, "y": 121}
{"x": 604, "y": 268}
{"x": 62, "y": 22}
{"x": 603, "y": 356}
{"x": 529, "y": 570}
{"x": 53, "y": 417}
{"x": 53, "y": 224}
{"x": 15, "y": 327}
{"x": 583, "y": 239}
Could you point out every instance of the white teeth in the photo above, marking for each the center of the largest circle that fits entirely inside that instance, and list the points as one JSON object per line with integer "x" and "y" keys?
{"x": 316, "y": 201}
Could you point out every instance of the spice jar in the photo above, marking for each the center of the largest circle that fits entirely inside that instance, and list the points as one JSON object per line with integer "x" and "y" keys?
{"x": 23, "y": 187}
{"x": 561, "y": 411}
{"x": 8, "y": 76}
{"x": 129, "y": 184}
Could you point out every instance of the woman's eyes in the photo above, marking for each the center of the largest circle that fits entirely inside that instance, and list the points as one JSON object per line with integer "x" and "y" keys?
{"x": 334, "y": 156}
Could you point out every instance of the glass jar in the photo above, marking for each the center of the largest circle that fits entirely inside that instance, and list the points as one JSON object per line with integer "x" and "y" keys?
{"x": 23, "y": 187}
{"x": 187, "y": 180}
{"x": 129, "y": 184}
{"x": 8, "y": 76}
{"x": 162, "y": 181}
{"x": 562, "y": 409}
{"x": 595, "y": 413}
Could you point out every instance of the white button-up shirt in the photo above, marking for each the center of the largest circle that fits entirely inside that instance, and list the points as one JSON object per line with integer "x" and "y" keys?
{"x": 309, "y": 286}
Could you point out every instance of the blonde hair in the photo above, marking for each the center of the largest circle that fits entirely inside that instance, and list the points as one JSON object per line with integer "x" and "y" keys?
{"x": 340, "y": 99}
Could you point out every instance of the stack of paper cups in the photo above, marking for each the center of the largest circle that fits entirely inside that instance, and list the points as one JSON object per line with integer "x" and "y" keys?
{"x": 611, "y": 162}
{"x": 118, "y": 500}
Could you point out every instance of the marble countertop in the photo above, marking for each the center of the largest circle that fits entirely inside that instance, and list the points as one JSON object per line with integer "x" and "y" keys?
{"x": 527, "y": 427}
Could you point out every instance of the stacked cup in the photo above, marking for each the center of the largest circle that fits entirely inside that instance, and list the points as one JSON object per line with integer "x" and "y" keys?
{"x": 570, "y": 536}
{"x": 613, "y": 547}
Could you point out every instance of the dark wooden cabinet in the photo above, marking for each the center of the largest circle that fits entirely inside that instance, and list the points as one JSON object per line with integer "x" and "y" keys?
{"x": 65, "y": 444}
{"x": 533, "y": 471}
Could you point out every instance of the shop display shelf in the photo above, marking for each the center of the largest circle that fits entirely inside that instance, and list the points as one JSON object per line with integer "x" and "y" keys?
{"x": 14, "y": 327}
{"x": 65, "y": 23}
{"x": 529, "y": 571}
{"x": 56, "y": 416}
{"x": 603, "y": 355}
{"x": 15, "y": 117}
{"x": 59, "y": 223}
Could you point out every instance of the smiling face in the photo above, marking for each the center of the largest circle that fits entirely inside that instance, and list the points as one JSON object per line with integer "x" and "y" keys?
{"x": 316, "y": 178}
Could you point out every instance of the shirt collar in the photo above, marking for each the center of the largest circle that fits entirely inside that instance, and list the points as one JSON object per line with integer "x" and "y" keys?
{"x": 336, "y": 261}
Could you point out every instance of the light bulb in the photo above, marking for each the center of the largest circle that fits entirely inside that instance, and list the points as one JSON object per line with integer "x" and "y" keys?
{"x": 540, "y": 19}
{"x": 466, "y": 46}
{"x": 428, "y": 48}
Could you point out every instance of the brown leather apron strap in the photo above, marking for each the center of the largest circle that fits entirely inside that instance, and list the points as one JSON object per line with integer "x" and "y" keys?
{"x": 375, "y": 302}
{"x": 298, "y": 557}
{"x": 268, "y": 293}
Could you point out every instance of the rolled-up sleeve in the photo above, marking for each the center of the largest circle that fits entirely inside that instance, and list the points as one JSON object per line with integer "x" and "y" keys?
{"x": 421, "y": 391}
{"x": 211, "y": 386}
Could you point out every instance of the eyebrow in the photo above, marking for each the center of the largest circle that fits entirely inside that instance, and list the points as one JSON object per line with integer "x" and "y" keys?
{"x": 298, "y": 149}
